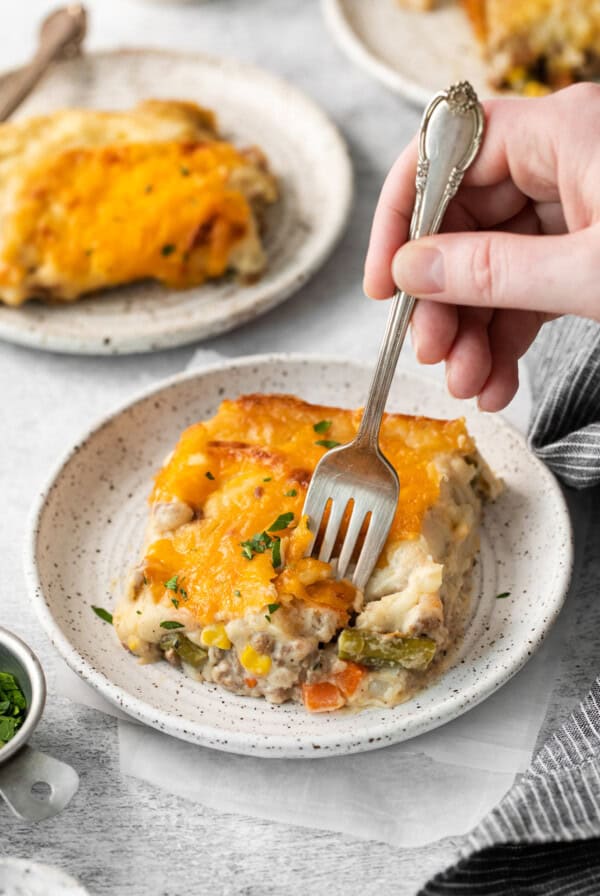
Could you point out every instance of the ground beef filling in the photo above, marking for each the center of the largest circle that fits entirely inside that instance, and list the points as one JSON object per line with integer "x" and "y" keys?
{"x": 292, "y": 659}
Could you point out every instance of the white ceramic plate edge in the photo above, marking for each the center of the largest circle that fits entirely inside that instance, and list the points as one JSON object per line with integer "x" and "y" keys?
{"x": 25, "y": 877}
{"x": 273, "y": 746}
{"x": 346, "y": 37}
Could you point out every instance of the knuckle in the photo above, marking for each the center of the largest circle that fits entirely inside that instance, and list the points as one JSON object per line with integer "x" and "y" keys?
{"x": 580, "y": 96}
{"x": 486, "y": 271}
{"x": 579, "y": 108}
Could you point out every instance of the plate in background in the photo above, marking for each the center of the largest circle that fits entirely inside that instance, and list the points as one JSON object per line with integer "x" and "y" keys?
{"x": 22, "y": 877}
{"x": 88, "y": 527}
{"x": 306, "y": 152}
{"x": 414, "y": 53}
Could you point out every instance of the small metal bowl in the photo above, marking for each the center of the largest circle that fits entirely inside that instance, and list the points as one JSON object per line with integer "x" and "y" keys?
{"x": 33, "y": 784}
{"x": 18, "y": 659}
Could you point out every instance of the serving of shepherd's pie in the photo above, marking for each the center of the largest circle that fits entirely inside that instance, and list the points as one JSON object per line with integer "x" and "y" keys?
{"x": 93, "y": 199}
{"x": 224, "y": 589}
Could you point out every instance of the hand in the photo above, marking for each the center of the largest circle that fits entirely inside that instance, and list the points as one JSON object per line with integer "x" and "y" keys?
{"x": 520, "y": 242}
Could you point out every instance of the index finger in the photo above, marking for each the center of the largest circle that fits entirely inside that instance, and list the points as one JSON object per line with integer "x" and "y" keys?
{"x": 391, "y": 223}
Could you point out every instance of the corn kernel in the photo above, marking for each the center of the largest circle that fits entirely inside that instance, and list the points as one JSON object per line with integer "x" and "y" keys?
{"x": 516, "y": 75}
{"x": 255, "y": 662}
{"x": 215, "y": 636}
{"x": 133, "y": 643}
{"x": 535, "y": 88}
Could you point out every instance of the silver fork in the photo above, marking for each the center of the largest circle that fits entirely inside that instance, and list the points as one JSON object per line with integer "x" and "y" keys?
{"x": 357, "y": 476}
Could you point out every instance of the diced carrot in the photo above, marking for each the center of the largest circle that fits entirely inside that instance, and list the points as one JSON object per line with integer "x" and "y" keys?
{"x": 322, "y": 697}
{"x": 349, "y": 680}
{"x": 250, "y": 682}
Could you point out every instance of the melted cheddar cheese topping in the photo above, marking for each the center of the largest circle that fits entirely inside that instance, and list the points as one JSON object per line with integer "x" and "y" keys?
{"x": 121, "y": 213}
{"x": 92, "y": 199}
{"x": 250, "y": 466}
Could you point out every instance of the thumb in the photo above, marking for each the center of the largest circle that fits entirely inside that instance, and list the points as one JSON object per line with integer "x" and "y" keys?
{"x": 556, "y": 274}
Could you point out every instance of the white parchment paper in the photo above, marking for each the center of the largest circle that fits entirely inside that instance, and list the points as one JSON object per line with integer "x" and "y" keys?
{"x": 437, "y": 785}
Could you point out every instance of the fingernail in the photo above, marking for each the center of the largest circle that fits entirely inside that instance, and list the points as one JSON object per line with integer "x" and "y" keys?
{"x": 419, "y": 270}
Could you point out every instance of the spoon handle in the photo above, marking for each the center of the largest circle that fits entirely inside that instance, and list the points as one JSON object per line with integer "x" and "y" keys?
{"x": 61, "y": 34}
{"x": 28, "y": 770}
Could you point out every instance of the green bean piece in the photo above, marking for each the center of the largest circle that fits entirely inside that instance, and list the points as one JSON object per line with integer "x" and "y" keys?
{"x": 186, "y": 650}
{"x": 376, "y": 650}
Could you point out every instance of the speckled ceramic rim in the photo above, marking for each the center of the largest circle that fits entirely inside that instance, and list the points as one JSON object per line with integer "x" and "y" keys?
{"x": 30, "y": 665}
{"x": 286, "y": 746}
{"x": 32, "y": 876}
{"x": 346, "y": 37}
{"x": 289, "y": 280}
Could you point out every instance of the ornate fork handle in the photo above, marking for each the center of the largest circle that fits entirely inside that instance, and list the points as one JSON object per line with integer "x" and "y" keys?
{"x": 449, "y": 139}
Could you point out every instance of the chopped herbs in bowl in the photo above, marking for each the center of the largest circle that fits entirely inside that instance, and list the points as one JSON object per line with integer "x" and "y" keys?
{"x": 13, "y": 707}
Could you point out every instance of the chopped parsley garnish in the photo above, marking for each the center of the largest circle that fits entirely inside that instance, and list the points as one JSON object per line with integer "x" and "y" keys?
{"x": 167, "y": 249}
{"x": 103, "y": 614}
{"x": 276, "y": 552}
{"x": 145, "y": 580}
{"x": 292, "y": 493}
{"x": 138, "y": 612}
{"x": 260, "y": 543}
{"x": 282, "y": 522}
{"x": 12, "y": 707}
{"x": 185, "y": 171}
{"x": 237, "y": 592}
{"x": 322, "y": 426}
{"x": 267, "y": 478}
{"x": 170, "y": 623}
{"x": 173, "y": 585}
{"x": 328, "y": 443}
{"x": 175, "y": 602}
{"x": 272, "y": 608}
{"x": 504, "y": 594}
{"x": 209, "y": 475}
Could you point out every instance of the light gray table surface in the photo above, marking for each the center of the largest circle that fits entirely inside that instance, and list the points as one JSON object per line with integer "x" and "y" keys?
{"x": 119, "y": 836}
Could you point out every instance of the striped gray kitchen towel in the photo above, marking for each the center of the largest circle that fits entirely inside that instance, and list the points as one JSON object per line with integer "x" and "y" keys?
{"x": 565, "y": 379}
{"x": 544, "y": 837}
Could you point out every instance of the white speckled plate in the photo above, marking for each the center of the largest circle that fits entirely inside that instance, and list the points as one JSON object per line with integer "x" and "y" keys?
{"x": 21, "y": 877}
{"x": 88, "y": 524}
{"x": 306, "y": 153}
{"x": 413, "y": 53}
